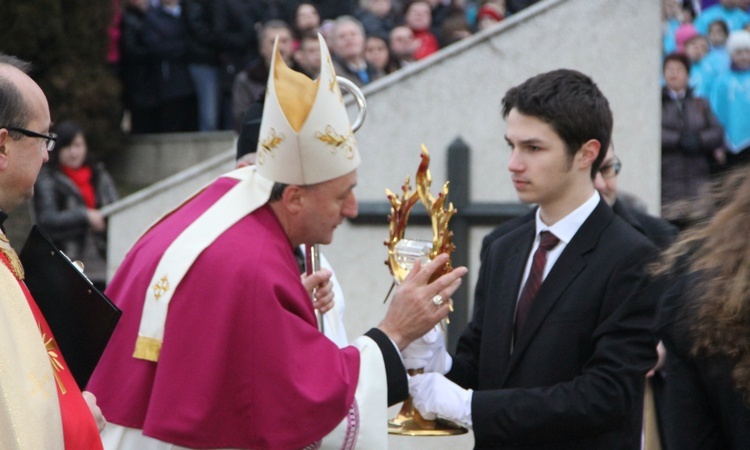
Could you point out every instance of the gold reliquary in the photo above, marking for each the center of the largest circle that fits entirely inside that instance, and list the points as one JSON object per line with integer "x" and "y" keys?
{"x": 402, "y": 253}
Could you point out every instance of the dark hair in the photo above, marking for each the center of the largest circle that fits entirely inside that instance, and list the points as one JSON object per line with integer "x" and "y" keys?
{"x": 247, "y": 142}
{"x": 721, "y": 24}
{"x": 14, "y": 112}
{"x": 406, "y": 5}
{"x": 392, "y": 64}
{"x": 275, "y": 24}
{"x": 298, "y": 32}
{"x": 277, "y": 191}
{"x": 571, "y": 103}
{"x": 677, "y": 57}
{"x": 308, "y": 35}
{"x": 66, "y": 132}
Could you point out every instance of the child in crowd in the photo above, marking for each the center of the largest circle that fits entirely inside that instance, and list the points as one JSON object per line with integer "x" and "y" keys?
{"x": 730, "y": 99}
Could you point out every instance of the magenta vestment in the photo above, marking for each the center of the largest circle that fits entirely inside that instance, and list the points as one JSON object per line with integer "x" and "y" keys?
{"x": 242, "y": 363}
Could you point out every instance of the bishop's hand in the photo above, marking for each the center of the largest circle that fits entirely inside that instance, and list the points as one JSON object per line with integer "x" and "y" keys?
{"x": 320, "y": 285}
{"x": 413, "y": 312}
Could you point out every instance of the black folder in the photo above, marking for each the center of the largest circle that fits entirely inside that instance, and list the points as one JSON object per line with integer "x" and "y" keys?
{"x": 81, "y": 318}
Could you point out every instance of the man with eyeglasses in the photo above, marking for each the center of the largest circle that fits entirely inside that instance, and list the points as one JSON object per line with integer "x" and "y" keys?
{"x": 656, "y": 229}
{"x": 41, "y": 406}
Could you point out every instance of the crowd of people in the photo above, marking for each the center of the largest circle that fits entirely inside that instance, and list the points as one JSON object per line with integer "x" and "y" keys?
{"x": 196, "y": 65}
{"x": 705, "y": 98}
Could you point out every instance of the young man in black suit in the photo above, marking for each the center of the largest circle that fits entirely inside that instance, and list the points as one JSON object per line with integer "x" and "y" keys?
{"x": 559, "y": 344}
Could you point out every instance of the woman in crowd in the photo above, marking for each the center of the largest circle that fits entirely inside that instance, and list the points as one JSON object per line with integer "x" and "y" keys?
{"x": 378, "y": 54}
{"x": 70, "y": 190}
{"x": 306, "y": 20}
{"x": 690, "y": 134}
{"x": 704, "y": 324}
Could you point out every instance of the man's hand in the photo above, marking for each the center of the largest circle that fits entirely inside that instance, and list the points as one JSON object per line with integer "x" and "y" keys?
{"x": 428, "y": 353}
{"x": 435, "y": 395}
{"x": 412, "y": 312}
{"x": 320, "y": 281}
{"x": 90, "y": 398}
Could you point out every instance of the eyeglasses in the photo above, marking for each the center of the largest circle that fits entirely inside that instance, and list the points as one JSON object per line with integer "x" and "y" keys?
{"x": 49, "y": 139}
{"x": 611, "y": 169}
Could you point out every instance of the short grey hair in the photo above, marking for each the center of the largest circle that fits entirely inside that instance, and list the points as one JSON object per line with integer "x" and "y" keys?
{"x": 343, "y": 20}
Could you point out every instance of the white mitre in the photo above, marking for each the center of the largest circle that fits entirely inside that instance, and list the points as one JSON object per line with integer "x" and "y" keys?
{"x": 305, "y": 136}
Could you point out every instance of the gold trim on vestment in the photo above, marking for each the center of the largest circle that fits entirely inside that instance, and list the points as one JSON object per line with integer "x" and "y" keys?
{"x": 147, "y": 348}
{"x": 53, "y": 352}
{"x": 15, "y": 263}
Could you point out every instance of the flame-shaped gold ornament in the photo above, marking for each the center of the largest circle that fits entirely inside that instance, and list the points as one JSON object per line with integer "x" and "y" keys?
{"x": 401, "y": 255}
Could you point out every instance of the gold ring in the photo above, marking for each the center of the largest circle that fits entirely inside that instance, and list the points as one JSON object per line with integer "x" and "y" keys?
{"x": 438, "y": 300}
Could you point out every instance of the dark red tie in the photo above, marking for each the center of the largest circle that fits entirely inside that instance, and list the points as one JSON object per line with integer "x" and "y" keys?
{"x": 547, "y": 242}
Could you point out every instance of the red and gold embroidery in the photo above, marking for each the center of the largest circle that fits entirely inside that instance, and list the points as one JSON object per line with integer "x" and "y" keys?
{"x": 54, "y": 353}
{"x": 12, "y": 256}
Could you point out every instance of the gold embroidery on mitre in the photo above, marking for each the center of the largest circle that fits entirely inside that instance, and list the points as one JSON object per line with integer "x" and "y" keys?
{"x": 268, "y": 144}
{"x": 333, "y": 84}
{"x": 15, "y": 263}
{"x": 54, "y": 353}
{"x": 337, "y": 141}
{"x": 161, "y": 287}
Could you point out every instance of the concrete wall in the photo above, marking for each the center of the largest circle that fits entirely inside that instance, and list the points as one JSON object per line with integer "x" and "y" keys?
{"x": 457, "y": 93}
{"x": 152, "y": 158}
{"x": 131, "y": 216}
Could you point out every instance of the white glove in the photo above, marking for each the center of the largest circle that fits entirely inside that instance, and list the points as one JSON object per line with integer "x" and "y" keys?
{"x": 433, "y": 394}
{"x": 428, "y": 353}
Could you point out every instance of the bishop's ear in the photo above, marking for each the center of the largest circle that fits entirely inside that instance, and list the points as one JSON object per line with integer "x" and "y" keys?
{"x": 292, "y": 198}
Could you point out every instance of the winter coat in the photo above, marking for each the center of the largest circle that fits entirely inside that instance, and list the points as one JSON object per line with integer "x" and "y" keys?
{"x": 61, "y": 211}
{"x": 166, "y": 40}
{"x": 137, "y": 67}
{"x": 690, "y": 133}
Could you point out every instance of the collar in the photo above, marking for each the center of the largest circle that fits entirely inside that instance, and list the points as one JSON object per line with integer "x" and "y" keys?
{"x": 175, "y": 10}
{"x": 674, "y": 95}
{"x": 568, "y": 226}
{"x": 356, "y": 67}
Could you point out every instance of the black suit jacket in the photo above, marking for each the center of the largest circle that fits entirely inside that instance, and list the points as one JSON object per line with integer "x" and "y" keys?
{"x": 575, "y": 377}
{"x": 656, "y": 229}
